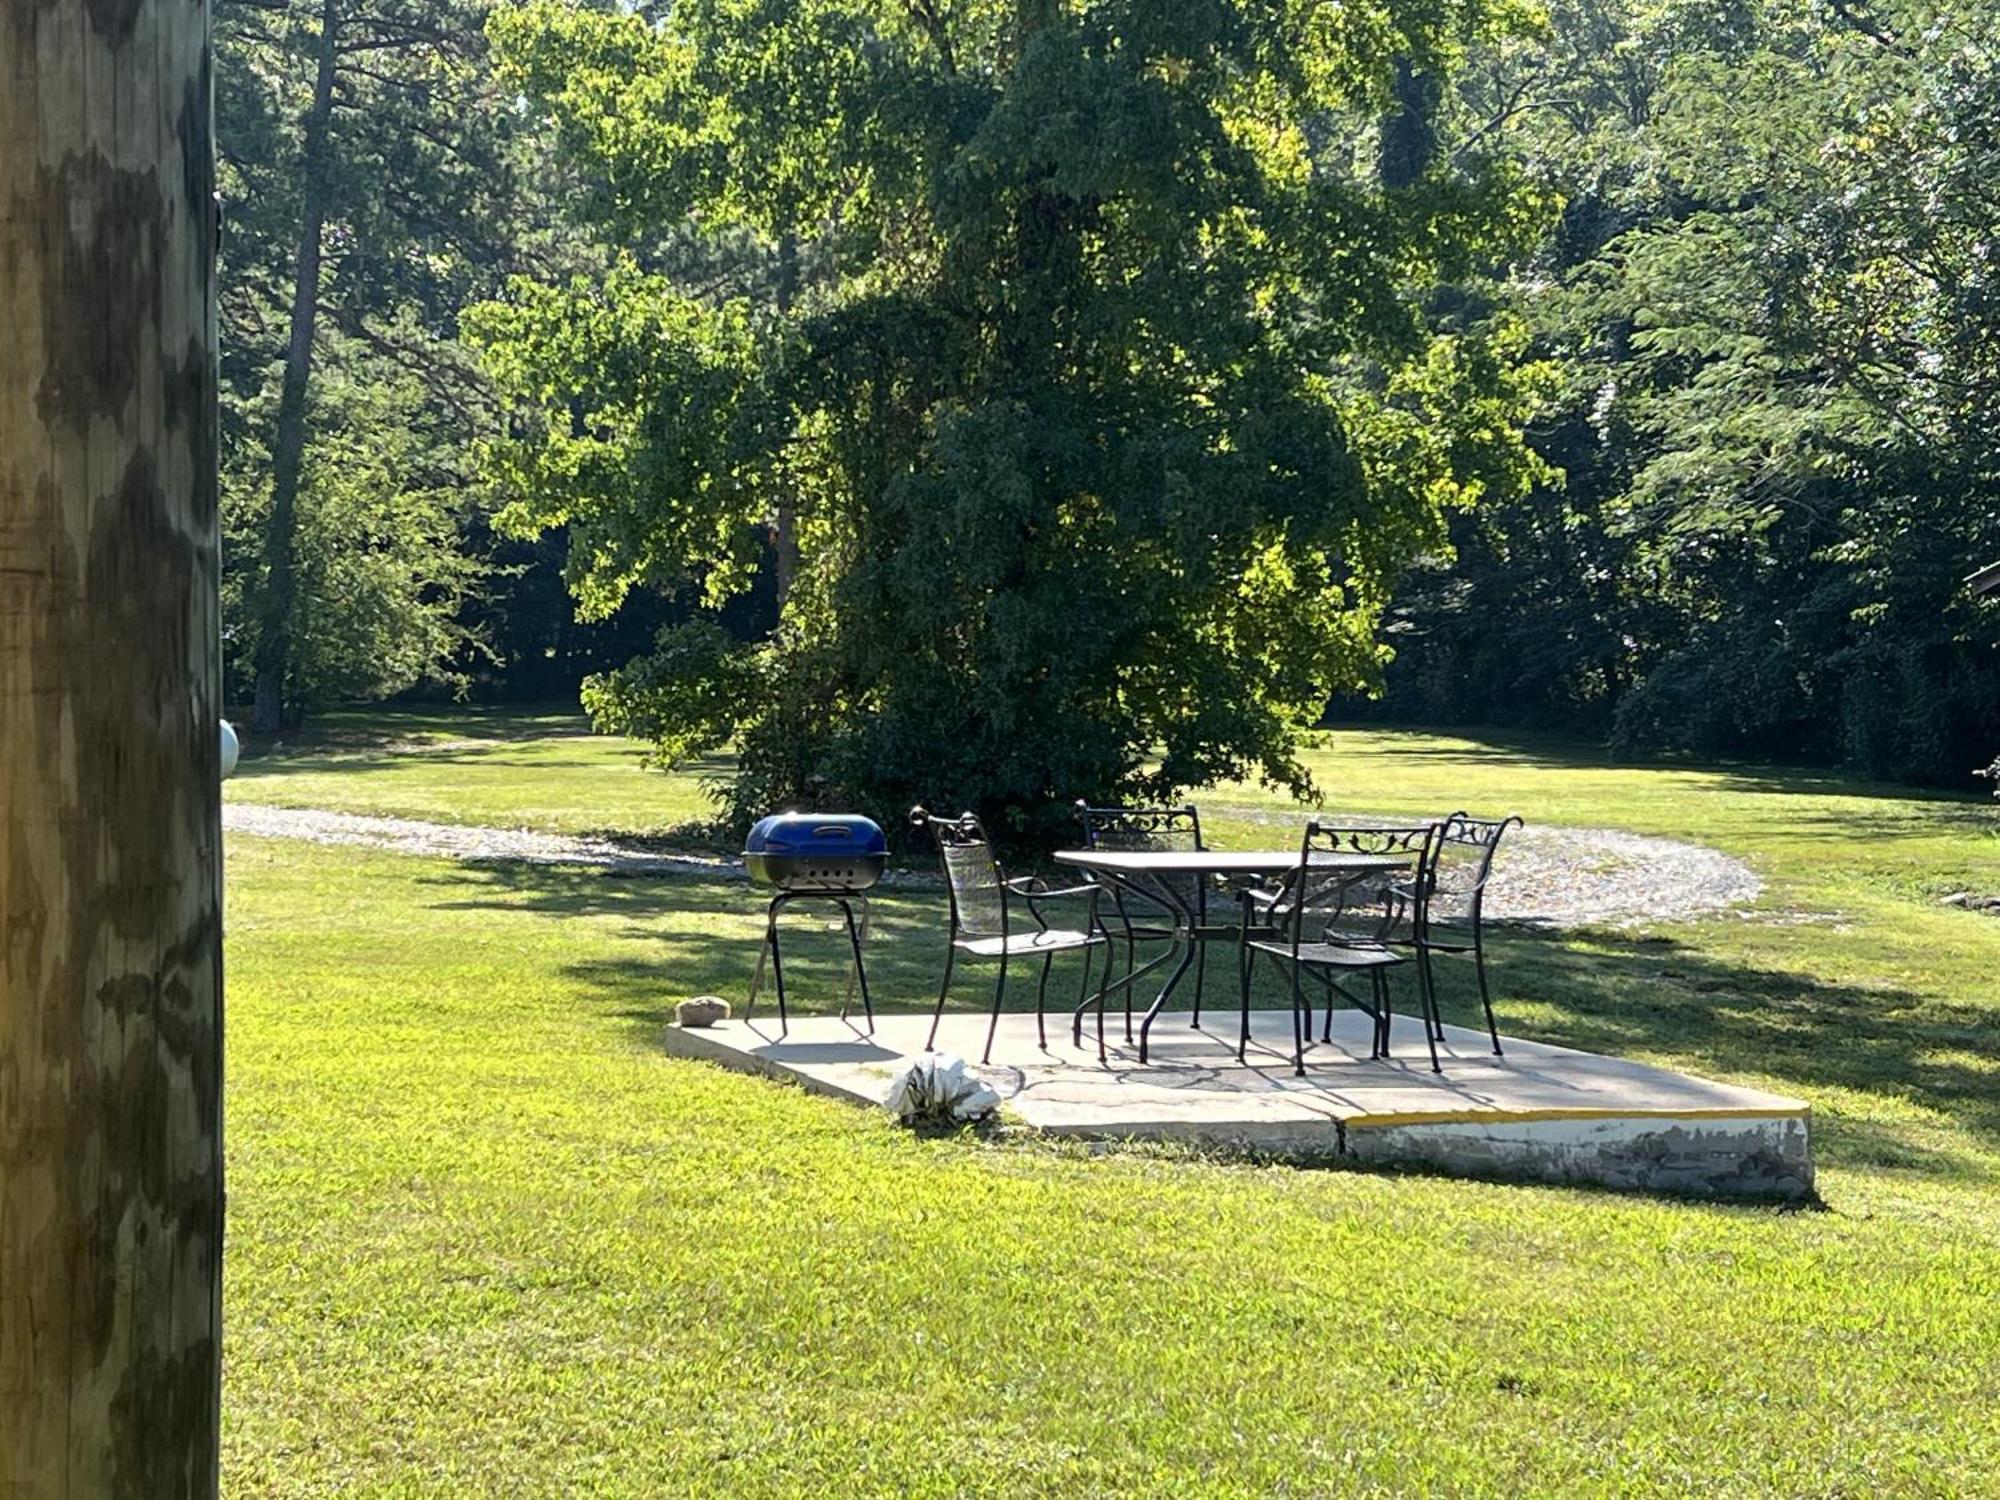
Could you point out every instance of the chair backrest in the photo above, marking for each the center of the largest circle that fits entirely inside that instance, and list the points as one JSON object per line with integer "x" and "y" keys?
{"x": 1325, "y": 903}
{"x": 1176, "y": 828}
{"x": 1462, "y": 866}
{"x": 972, "y": 875}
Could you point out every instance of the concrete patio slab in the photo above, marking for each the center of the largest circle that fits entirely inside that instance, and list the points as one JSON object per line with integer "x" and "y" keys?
{"x": 1539, "y": 1112}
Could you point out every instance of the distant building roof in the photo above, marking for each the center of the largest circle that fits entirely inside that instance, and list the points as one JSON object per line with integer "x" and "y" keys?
{"x": 1986, "y": 580}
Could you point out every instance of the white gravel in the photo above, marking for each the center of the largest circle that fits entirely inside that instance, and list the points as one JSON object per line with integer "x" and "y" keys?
{"x": 1573, "y": 877}
{"x": 1564, "y": 877}
{"x": 462, "y": 841}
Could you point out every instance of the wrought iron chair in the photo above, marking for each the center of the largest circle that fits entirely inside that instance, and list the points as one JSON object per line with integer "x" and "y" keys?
{"x": 1448, "y": 910}
{"x": 1141, "y": 917}
{"x": 986, "y": 924}
{"x": 1330, "y": 921}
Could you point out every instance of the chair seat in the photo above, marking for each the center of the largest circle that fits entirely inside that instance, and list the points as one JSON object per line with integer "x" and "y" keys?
{"x": 1055, "y": 940}
{"x": 1334, "y": 955}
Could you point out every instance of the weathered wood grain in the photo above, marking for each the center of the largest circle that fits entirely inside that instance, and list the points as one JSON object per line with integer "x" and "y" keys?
{"x": 110, "y": 919}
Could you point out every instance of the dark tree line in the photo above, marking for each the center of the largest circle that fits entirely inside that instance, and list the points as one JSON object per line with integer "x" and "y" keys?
{"x": 1771, "y": 296}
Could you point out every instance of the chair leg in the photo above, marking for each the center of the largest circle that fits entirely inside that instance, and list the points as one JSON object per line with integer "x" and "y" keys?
{"x": 993, "y": 1026}
{"x": 1384, "y": 1018}
{"x": 1244, "y": 955}
{"x": 1041, "y": 1001}
{"x": 1430, "y": 1036}
{"x": 1298, "y": 1029}
{"x": 1200, "y": 968}
{"x": 1427, "y": 991}
{"x": 1131, "y": 968}
{"x": 1082, "y": 998}
{"x": 1485, "y": 998}
{"x": 950, "y": 956}
{"x": 1088, "y": 955}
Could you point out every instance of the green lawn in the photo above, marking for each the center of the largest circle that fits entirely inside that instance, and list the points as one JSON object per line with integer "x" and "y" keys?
{"x": 532, "y": 769}
{"x": 487, "y": 1239}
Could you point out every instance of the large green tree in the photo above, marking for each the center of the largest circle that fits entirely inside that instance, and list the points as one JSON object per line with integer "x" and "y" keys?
{"x": 368, "y": 167}
{"x": 1069, "y": 359}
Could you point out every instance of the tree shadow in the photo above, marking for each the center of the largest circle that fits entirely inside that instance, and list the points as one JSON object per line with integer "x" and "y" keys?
{"x": 1653, "y": 998}
{"x": 1486, "y": 745}
{"x": 375, "y": 728}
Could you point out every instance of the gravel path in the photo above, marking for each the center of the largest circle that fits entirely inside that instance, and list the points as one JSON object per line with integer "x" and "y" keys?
{"x": 1564, "y": 877}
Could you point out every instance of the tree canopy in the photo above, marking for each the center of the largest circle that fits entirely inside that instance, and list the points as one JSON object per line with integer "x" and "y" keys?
{"x": 1006, "y": 402}
{"x": 1082, "y": 352}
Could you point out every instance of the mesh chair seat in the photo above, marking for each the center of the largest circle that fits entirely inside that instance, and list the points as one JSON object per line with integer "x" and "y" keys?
{"x": 1333, "y": 955}
{"x": 1054, "y": 940}
{"x": 993, "y": 917}
{"x": 1324, "y": 917}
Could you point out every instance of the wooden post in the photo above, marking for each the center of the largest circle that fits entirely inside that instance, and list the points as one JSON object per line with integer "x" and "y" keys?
{"x": 110, "y": 924}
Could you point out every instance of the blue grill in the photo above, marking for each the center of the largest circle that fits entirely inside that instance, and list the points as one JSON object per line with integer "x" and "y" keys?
{"x": 816, "y": 852}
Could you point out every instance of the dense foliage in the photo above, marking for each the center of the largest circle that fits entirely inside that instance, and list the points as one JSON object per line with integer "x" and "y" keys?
{"x": 370, "y": 191}
{"x": 1073, "y": 355}
{"x": 1773, "y": 297}
{"x": 1001, "y": 402}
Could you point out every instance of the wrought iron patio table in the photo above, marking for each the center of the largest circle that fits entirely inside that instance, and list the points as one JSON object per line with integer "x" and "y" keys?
{"x": 1143, "y": 870}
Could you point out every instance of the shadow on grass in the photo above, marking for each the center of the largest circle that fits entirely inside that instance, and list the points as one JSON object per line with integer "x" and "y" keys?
{"x": 1498, "y": 747}
{"x": 374, "y": 728}
{"x": 1655, "y": 998}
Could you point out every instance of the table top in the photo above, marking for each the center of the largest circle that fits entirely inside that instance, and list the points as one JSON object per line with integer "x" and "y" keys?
{"x": 1221, "y": 861}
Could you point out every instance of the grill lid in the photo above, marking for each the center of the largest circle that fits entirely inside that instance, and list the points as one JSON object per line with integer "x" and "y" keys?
{"x": 817, "y": 835}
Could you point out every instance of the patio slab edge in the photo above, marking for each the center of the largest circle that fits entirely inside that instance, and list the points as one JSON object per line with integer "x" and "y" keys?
{"x": 1660, "y": 1138}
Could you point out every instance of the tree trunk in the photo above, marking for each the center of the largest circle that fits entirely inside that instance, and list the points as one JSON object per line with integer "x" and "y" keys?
{"x": 785, "y": 534}
{"x": 1409, "y": 134}
{"x": 110, "y": 847}
{"x": 288, "y": 447}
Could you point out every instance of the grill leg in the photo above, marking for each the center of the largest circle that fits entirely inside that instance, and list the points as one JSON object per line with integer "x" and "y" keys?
{"x": 950, "y": 955}
{"x": 778, "y": 969}
{"x": 859, "y": 975}
{"x": 757, "y": 977}
{"x": 993, "y": 1026}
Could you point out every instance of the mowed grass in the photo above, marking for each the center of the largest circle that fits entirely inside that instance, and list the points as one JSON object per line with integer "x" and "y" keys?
{"x": 537, "y": 769}
{"x": 486, "y": 1238}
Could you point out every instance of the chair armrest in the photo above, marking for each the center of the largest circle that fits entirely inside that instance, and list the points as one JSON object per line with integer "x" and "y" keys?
{"x": 1036, "y": 887}
{"x": 1037, "y": 890}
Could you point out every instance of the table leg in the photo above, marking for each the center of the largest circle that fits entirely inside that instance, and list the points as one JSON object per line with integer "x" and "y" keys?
{"x": 1188, "y": 944}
